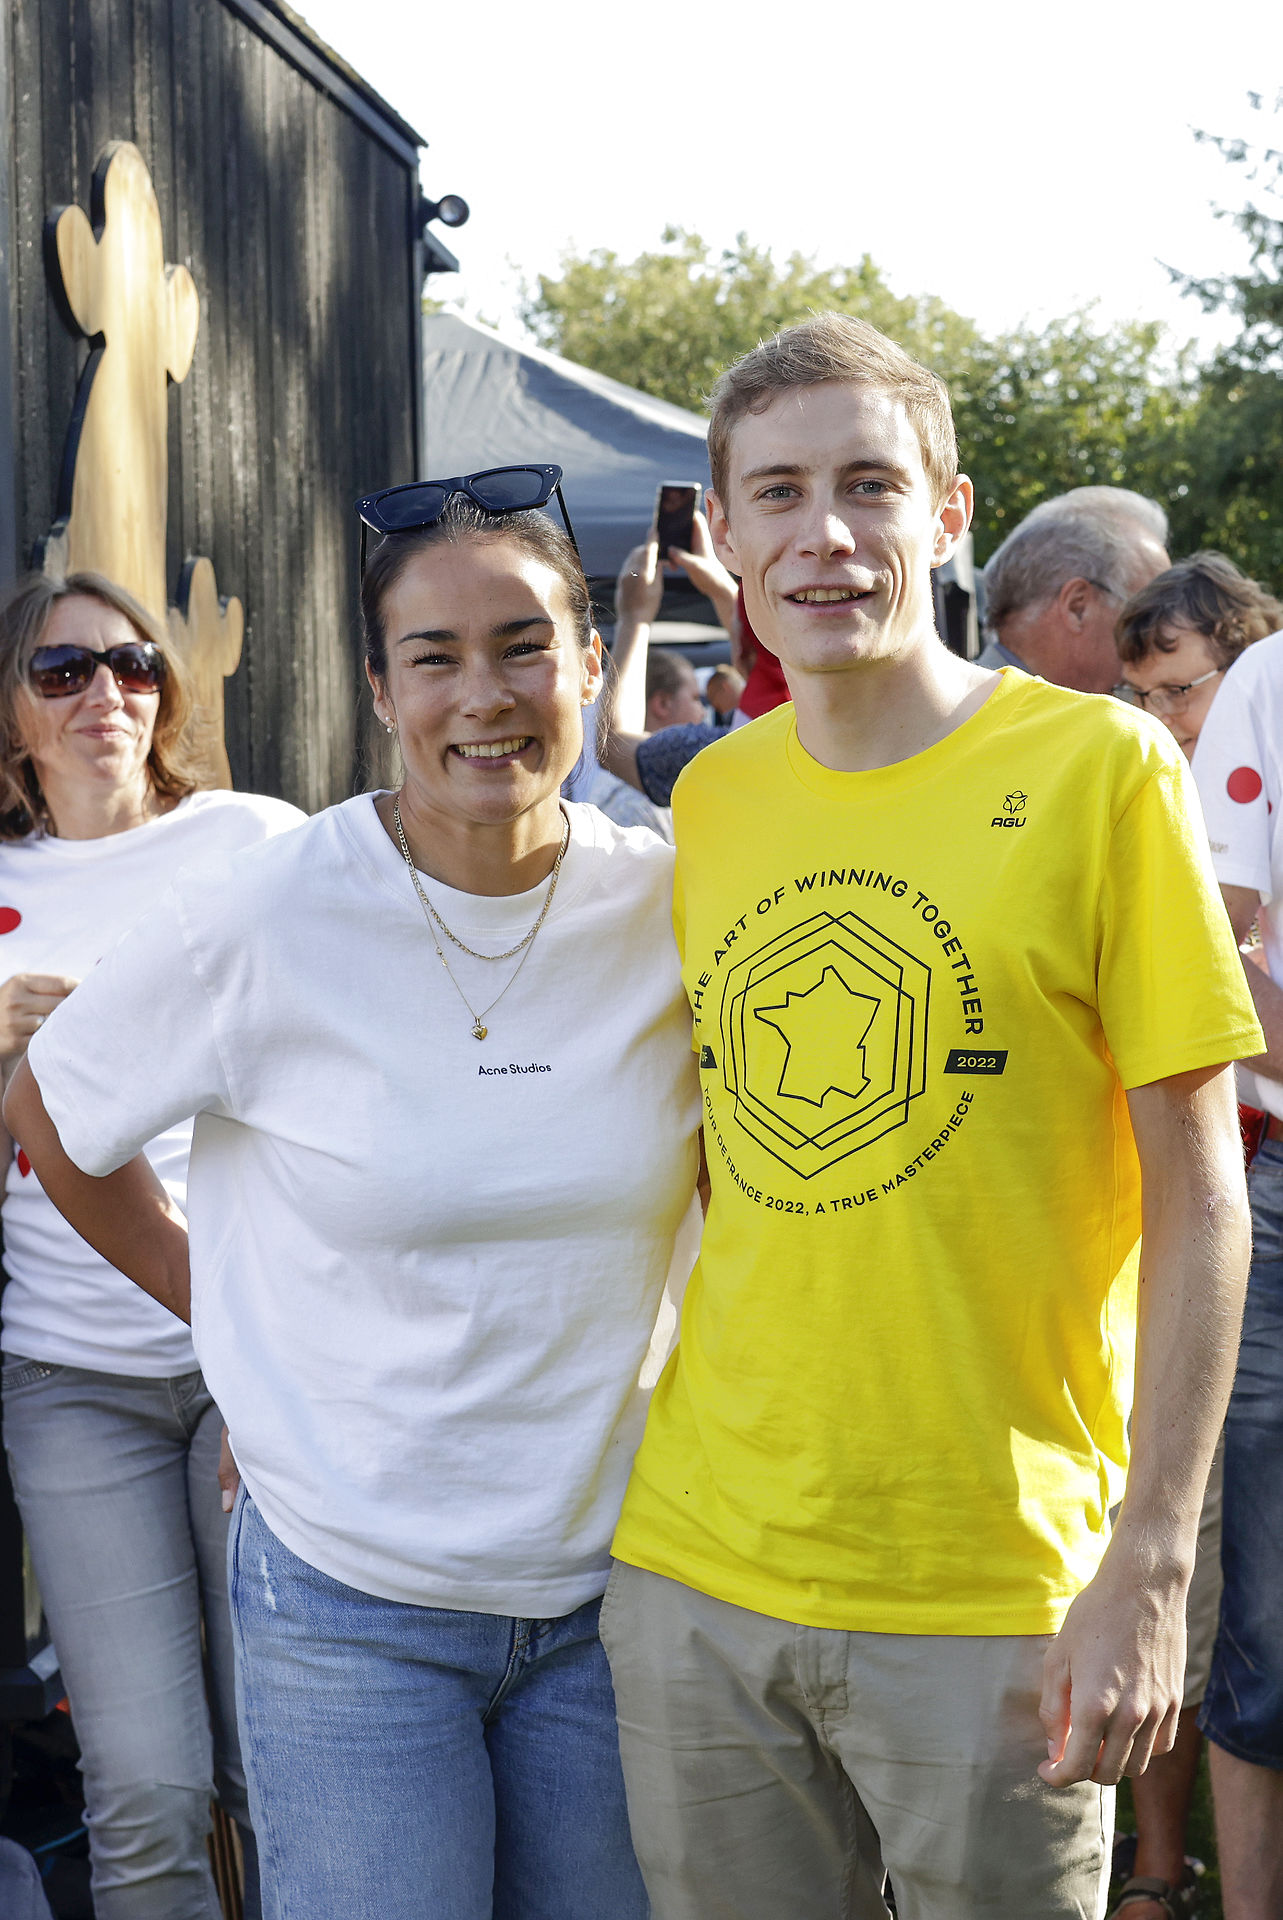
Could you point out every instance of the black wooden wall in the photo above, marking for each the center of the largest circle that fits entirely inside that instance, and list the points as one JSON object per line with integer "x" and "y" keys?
{"x": 291, "y": 192}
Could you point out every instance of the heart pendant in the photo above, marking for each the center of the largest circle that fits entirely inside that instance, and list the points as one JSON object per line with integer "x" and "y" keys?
{"x": 479, "y": 1032}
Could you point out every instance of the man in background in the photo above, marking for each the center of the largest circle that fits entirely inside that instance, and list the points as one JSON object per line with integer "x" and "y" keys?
{"x": 724, "y": 691}
{"x": 1054, "y": 588}
{"x": 673, "y": 697}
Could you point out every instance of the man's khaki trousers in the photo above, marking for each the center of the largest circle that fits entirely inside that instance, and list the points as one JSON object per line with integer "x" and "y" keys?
{"x": 778, "y": 1772}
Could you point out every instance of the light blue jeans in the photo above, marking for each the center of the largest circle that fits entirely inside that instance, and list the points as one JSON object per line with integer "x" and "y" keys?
{"x": 116, "y": 1478}
{"x": 424, "y": 1763}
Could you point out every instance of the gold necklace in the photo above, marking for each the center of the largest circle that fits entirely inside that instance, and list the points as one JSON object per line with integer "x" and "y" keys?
{"x": 430, "y": 914}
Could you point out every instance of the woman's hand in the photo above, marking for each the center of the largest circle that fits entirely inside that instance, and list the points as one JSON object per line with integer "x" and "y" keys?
{"x": 229, "y": 1474}
{"x": 26, "y": 1001}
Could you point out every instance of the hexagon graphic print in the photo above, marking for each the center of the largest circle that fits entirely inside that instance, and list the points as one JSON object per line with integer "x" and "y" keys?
{"x": 824, "y": 1040}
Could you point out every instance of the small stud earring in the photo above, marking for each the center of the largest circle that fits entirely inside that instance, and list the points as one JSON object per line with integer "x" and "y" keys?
{"x": 390, "y": 726}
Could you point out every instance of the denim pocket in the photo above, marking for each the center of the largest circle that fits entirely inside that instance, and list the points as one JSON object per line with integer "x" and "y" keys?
{"x": 24, "y": 1373}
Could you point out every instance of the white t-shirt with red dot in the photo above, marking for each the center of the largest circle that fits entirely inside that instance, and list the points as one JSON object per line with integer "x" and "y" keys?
{"x": 63, "y": 905}
{"x": 1238, "y": 765}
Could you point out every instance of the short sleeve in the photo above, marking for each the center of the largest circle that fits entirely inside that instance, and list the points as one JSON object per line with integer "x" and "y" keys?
{"x": 132, "y": 1051}
{"x": 1171, "y": 991}
{"x": 662, "y": 756}
{"x": 679, "y": 912}
{"x": 1237, "y": 778}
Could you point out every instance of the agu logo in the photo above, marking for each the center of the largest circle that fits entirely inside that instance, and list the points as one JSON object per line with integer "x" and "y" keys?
{"x": 824, "y": 1040}
{"x": 1013, "y": 808}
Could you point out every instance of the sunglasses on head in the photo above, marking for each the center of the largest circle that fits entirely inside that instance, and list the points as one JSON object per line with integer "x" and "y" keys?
{"x": 420, "y": 503}
{"x": 58, "y": 672}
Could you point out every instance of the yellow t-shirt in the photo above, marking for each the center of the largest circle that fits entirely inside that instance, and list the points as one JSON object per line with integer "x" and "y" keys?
{"x": 900, "y": 1397}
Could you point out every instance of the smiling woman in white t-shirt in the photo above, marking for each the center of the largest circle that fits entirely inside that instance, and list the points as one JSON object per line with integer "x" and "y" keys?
{"x": 446, "y": 1135}
{"x": 111, "y": 1433}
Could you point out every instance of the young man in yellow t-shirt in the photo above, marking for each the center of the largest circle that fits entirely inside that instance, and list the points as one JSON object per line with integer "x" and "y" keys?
{"x": 964, "y": 994}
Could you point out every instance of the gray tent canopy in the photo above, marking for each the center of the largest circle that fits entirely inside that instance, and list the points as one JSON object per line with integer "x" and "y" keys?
{"x": 489, "y": 402}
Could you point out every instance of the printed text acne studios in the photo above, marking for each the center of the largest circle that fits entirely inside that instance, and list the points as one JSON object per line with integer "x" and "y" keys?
{"x": 512, "y": 1067}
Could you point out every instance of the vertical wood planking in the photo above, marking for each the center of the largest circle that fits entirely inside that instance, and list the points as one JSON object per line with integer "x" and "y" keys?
{"x": 227, "y": 188}
{"x": 294, "y": 219}
{"x": 8, "y": 323}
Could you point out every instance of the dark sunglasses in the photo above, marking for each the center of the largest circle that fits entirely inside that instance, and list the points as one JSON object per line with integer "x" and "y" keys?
{"x": 420, "y": 503}
{"x": 58, "y": 672}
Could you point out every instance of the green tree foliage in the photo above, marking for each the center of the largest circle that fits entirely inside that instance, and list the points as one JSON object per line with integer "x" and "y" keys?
{"x": 1074, "y": 405}
{"x": 1233, "y": 444}
{"x": 669, "y": 321}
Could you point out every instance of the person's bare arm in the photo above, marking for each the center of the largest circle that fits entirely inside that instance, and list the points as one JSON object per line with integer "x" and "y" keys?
{"x": 638, "y": 593}
{"x": 1243, "y": 904}
{"x": 1113, "y": 1675}
{"x": 128, "y": 1217}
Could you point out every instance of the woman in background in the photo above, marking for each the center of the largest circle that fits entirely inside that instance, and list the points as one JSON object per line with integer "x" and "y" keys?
{"x": 1180, "y": 634}
{"x": 111, "y": 1433}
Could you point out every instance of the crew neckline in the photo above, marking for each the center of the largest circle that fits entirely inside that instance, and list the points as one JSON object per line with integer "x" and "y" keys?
{"x": 932, "y": 761}
{"x": 103, "y": 845}
{"x": 479, "y": 912}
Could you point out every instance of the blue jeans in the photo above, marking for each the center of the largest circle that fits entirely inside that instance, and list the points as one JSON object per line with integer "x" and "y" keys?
{"x": 412, "y": 1762}
{"x": 1243, "y": 1705}
{"x": 116, "y": 1478}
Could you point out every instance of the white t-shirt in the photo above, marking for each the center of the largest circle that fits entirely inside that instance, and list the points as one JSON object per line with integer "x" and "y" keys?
{"x": 425, "y": 1270}
{"x": 63, "y": 905}
{"x": 1238, "y": 764}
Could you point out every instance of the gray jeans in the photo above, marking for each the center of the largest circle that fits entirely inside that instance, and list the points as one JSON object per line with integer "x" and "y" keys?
{"x": 22, "y": 1897}
{"x": 777, "y": 1772}
{"x": 116, "y": 1478}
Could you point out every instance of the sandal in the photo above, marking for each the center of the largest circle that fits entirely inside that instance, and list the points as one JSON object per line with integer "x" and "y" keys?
{"x": 1178, "y": 1902}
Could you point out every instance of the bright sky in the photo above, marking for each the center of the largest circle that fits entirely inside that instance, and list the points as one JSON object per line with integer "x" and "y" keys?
{"x": 1018, "y": 160}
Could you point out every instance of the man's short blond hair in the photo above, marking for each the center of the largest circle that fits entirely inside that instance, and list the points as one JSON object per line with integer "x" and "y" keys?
{"x": 834, "y": 347}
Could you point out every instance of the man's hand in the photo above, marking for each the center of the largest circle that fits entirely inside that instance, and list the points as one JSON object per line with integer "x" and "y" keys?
{"x": 26, "y": 1001}
{"x": 640, "y": 586}
{"x": 706, "y": 573}
{"x": 1113, "y": 1676}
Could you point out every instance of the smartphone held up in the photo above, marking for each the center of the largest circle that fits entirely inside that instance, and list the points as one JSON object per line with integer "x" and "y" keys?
{"x": 675, "y": 509}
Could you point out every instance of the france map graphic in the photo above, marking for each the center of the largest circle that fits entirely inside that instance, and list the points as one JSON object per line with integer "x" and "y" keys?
{"x": 824, "y": 1039}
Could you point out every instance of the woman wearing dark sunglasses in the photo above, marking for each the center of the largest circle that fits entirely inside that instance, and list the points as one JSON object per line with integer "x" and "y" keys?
{"x": 111, "y": 1434}
{"x": 446, "y": 1136}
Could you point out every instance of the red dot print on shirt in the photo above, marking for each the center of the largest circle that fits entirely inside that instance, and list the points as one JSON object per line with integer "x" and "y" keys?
{"x": 9, "y": 919}
{"x": 1244, "y": 785}
{"x": 24, "y": 1165}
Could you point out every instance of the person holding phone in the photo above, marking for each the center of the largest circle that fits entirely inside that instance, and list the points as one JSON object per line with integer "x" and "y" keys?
{"x": 676, "y": 505}
{"x": 424, "y": 1307}
{"x": 111, "y": 1432}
